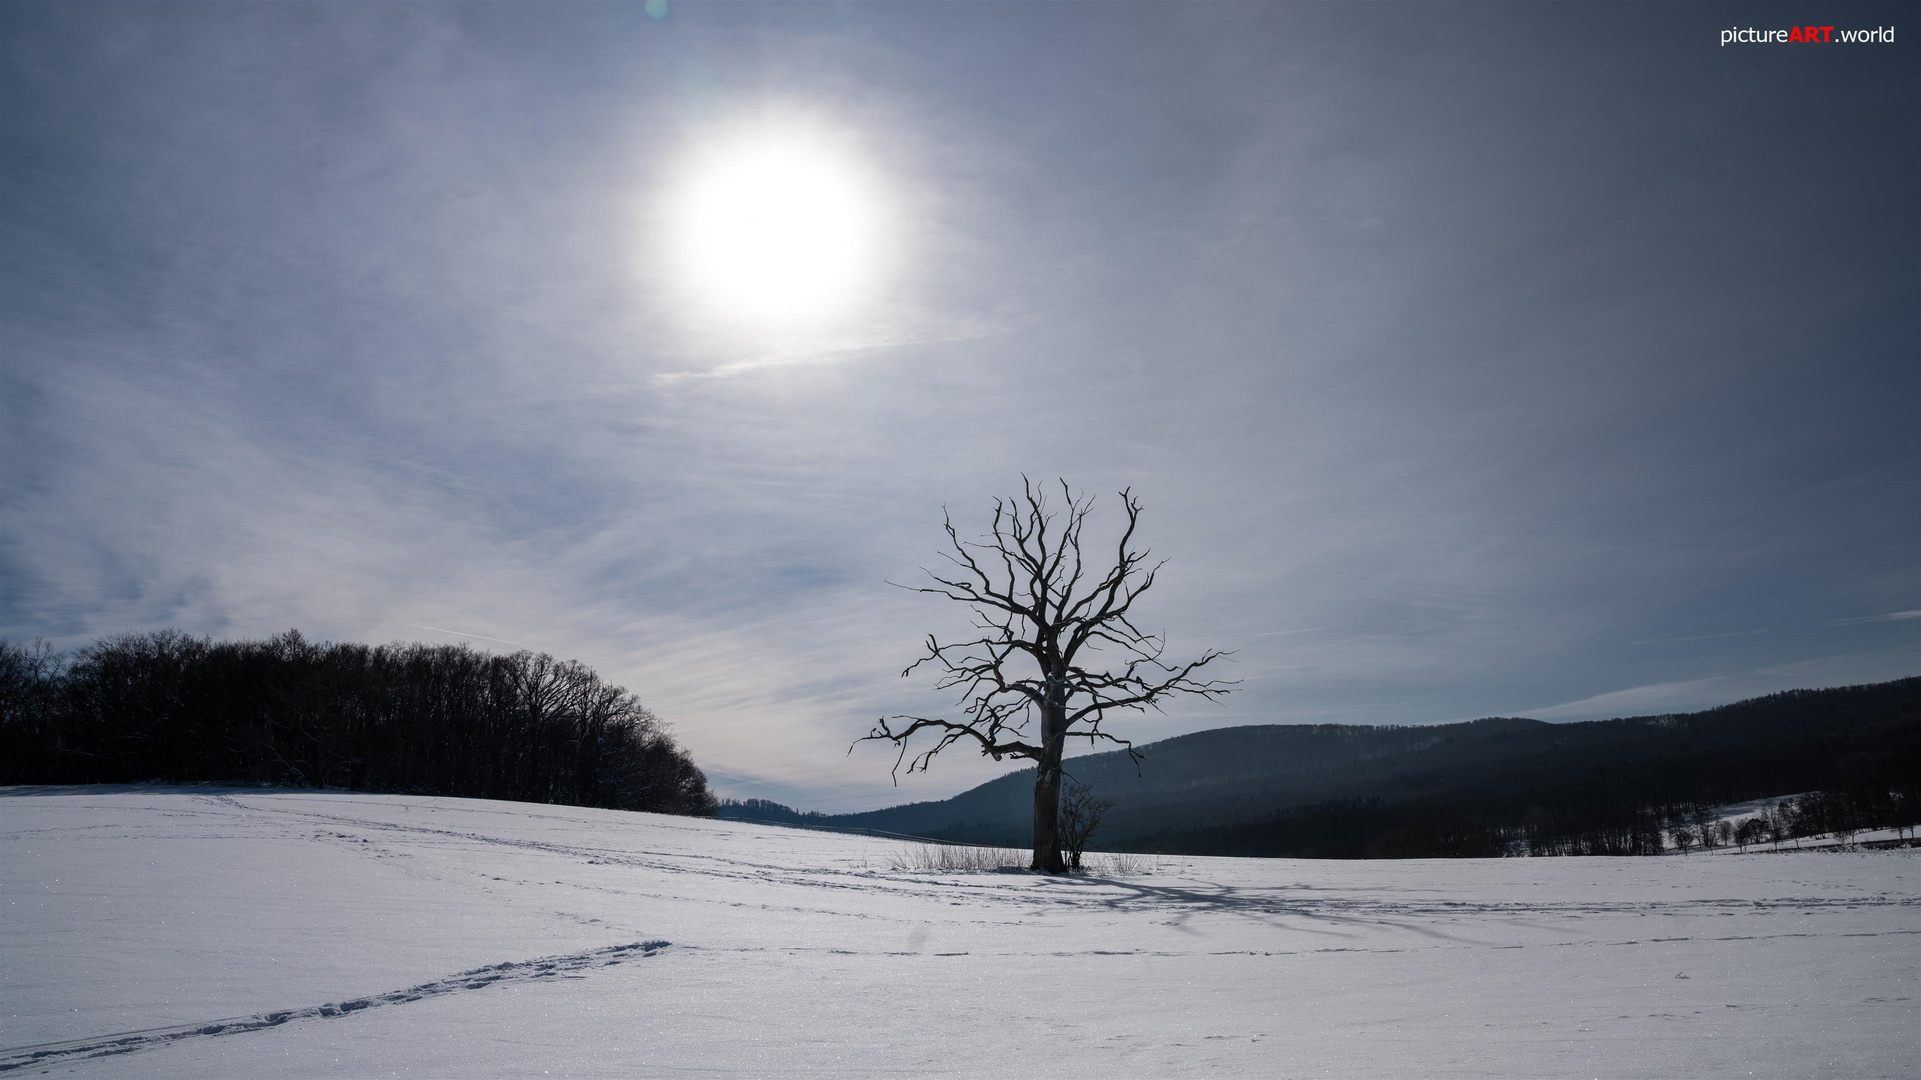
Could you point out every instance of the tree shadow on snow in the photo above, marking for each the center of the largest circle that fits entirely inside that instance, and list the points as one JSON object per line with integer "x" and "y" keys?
{"x": 1269, "y": 904}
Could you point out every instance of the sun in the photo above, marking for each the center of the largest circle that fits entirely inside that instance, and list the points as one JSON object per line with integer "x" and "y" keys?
{"x": 778, "y": 227}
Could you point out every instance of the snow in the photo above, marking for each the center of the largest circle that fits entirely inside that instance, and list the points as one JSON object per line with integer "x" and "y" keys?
{"x": 244, "y": 933}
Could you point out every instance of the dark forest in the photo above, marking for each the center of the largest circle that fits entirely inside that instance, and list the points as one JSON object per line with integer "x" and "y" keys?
{"x": 409, "y": 718}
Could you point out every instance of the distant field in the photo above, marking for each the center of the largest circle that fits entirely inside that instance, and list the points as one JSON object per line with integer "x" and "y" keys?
{"x": 208, "y": 933}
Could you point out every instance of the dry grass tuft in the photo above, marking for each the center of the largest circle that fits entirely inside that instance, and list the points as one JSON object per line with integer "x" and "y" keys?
{"x": 957, "y": 858}
{"x": 949, "y": 858}
{"x": 1121, "y": 864}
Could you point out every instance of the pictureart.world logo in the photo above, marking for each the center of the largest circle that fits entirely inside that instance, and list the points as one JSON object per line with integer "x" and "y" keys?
{"x": 1807, "y": 35}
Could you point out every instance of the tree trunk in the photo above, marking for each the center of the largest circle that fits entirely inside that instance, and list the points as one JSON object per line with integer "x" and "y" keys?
{"x": 1047, "y": 805}
{"x": 1047, "y": 791}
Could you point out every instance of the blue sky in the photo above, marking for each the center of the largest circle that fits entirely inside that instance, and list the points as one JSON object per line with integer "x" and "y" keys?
{"x": 1469, "y": 359}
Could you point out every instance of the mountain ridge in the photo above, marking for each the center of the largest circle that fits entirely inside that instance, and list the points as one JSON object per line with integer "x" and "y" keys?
{"x": 1215, "y": 791}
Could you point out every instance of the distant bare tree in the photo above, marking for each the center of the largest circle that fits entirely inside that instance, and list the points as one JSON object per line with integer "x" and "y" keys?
{"x": 1685, "y": 838}
{"x": 1844, "y": 830}
{"x": 1907, "y": 810}
{"x": 1081, "y": 815}
{"x": 1045, "y": 620}
{"x": 31, "y": 678}
{"x": 1704, "y": 826}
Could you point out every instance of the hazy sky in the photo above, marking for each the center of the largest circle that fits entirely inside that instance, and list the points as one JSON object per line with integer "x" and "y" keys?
{"x": 1536, "y": 360}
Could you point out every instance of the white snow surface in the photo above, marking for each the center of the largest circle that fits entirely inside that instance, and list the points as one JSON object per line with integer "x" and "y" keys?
{"x": 242, "y": 933}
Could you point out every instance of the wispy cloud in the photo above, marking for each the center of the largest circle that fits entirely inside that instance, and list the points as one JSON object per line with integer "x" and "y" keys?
{"x": 1635, "y": 700}
{"x": 836, "y": 354}
{"x": 1892, "y": 616}
{"x": 476, "y": 637}
{"x": 1699, "y": 637}
{"x": 1688, "y": 695}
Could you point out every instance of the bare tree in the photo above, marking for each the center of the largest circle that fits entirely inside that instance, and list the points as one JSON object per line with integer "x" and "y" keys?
{"x": 1081, "y": 815}
{"x": 1045, "y": 623}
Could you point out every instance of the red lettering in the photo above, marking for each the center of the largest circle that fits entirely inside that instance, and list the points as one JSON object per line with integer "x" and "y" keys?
{"x": 1827, "y": 33}
{"x": 1794, "y": 34}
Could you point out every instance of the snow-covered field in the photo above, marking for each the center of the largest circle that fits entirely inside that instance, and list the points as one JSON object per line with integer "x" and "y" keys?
{"x": 200, "y": 933}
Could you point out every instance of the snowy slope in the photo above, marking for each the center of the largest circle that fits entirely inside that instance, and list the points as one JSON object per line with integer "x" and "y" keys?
{"x": 234, "y": 934}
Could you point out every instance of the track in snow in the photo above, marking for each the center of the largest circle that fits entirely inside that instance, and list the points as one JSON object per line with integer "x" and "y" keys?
{"x": 128, "y": 1042}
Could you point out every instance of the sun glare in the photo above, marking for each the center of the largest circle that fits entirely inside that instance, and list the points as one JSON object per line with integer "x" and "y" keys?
{"x": 778, "y": 228}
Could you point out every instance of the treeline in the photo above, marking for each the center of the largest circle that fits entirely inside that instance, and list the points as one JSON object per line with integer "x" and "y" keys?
{"x": 1575, "y": 819}
{"x": 765, "y": 810}
{"x": 1375, "y": 828}
{"x": 1839, "y": 814}
{"x": 412, "y": 718}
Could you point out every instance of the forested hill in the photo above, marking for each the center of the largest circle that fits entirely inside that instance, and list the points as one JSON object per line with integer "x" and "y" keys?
{"x": 1348, "y": 790}
{"x": 413, "y": 718}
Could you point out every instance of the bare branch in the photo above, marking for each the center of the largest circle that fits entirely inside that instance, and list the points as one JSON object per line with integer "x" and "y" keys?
{"x": 950, "y": 733}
